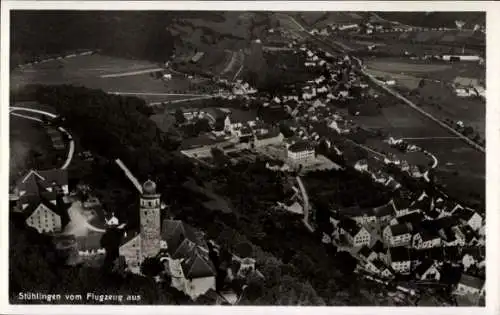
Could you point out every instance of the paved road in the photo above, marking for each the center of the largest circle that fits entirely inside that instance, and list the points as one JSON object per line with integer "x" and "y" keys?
{"x": 131, "y": 73}
{"x": 71, "y": 150}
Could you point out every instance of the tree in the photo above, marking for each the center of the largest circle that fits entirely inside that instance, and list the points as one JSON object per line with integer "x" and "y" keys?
{"x": 244, "y": 249}
{"x": 202, "y": 125}
{"x": 179, "y": 117}
{"x": 151, "y": 267}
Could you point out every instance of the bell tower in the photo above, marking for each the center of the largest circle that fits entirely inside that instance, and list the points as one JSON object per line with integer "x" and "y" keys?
{"x": 150, "y": 221}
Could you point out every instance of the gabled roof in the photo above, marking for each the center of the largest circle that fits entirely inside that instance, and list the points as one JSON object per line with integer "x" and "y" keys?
{"x": 399, "y": 203}
{"x": 365, "y": 251}
{"x": 301, "y": 146}
{"x": 478, "y": 252}
{"x": 471, "y": 281}
{"x": 399, "y": 253}
{"x": 197, "y": 266}
{"x": 379, "y": 264}
{"x": 378, "y": 247}
{"x": 413, "y": 218}
{"x": 423, "y": 204}
{"x": 424, "y": 266}
{"x": 464, "y": 214}
{"x": 385, "y": 210}
{"x": 350, "y": 226}
{"x": 176, "y": 231}
{"x": 428, "y": 234}
{"x": 400, "y": 229}
{"x": 446, "y": 222}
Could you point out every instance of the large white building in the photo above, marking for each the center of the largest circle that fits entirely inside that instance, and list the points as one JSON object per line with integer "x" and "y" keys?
{"x": 300, "y": 152}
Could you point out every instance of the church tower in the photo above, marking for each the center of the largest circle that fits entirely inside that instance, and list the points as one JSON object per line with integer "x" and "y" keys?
{"x": 150, "y": 220}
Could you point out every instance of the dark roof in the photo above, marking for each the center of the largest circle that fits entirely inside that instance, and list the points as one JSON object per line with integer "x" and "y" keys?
{"x": 400, "y": 203}
{"x": 428, "y": 234}
{"x": 469, "y": 233}
{"x": 241, "y": 116}
{"x": 355, "y": 212}
{"x": 197, "y": 265}
{"x": 424, "y": 204}
{"x": 365, "y": 251}
{"x": 414, "y": 218}
{"x": 478, "y": 252}
{"x": 435, "y": 253}
{"x": 464, "y": 214}
{"x": 378, "y": 247}
{"x": 35, "y": 181}
{"x": 185, "y": 242}
{"x": 400, "y": 229}
{"x": 471, "y": 281}
{"x": 452, "y": 253}
{"x": 301, "y": 146}
{"x": 385, "y": 210}
{"x": 350, "y": 226}
{"x": 447, "y": 222}
{"x": 379, "y": 264}
{"x": 423, "y": 267}
{"x": 182, "y": 240}
{"x": 448, "y": 234}
{"x": 399, "y": 253}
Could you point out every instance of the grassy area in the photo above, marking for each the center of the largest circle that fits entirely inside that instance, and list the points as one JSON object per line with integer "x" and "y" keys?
{"x": 88, "y": 71}
{"x": 30, "y": 147}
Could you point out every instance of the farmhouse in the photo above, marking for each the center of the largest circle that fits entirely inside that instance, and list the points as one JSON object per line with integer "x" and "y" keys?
{"x": 399, "y": 259}
{"x": 469, "y": 217}
{"x": 43, "y": 215}
{"x": 426, "y": 239}
{"x": 397, "y": 235}
{"x": 355, "y": 234}
{"x": 268, "y": 138}
{"x": 469, "y": 285}
{"x": 400, "y": 206}
{"x": 427, "y": 270}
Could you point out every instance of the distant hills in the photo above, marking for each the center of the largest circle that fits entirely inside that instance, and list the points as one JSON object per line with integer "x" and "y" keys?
{"x": 435, "y": 19}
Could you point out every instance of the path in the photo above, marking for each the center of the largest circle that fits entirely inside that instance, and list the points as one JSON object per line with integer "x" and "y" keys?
{"x": 242, "y": 64}
{"x": 156, "y": 94}
{"x": 131, "y": 73}
{"x": 129, "y": 175}
{"x": 183, "y": 100}
{"x": 307, "y": 207}
{"x": 71, "y": 150}
{"x": 428, "y": 138}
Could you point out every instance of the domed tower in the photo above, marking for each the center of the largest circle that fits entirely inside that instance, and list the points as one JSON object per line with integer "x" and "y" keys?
{"x": 150, "y": 221}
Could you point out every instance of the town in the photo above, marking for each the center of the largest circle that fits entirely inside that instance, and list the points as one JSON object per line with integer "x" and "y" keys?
{"x": 302, "y": 133}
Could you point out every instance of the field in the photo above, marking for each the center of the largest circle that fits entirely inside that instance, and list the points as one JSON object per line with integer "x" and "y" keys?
{"x": 26, "y": 138}
{"x": 93, "y": 71}
{"x": 230, "y": 30}
{"x": 323, "y": 19}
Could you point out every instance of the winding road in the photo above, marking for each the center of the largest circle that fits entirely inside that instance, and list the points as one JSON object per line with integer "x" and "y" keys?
{"x": 71, "y": 150}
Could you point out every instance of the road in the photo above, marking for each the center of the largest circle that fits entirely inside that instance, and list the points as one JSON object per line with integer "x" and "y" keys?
{"x": 129, "y": 175}
{"x": 131, "y": 73}
{"x": 71, "y": 150}
{"x": 242, "y": 65}
{"x": 396, "y": 94}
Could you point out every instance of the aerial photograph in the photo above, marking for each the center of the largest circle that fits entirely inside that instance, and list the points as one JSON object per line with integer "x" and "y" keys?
{"x": 319, "y": 158}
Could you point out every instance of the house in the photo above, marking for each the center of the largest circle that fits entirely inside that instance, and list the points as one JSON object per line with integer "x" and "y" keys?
{"x": 412, "y": 218}
{"x": 400, "y": 206}
{"x": 399, "y": 259}
{"x": 45, "y": 214}
{"x": 469, "y": 285}
{"x": 236, "y": 119}
{"x": 300, "y": 152}
{"x": 355, "y": 234}
{"x": 366, "y": 253}
{"x": 187, "y": 262}
{"x": 37, "y": 181}
{"x": 378, "y": 248}
{"x": 427, "y": 270}
{"x": 397, "y": 235}
{"x": 362, "y": 216}
{"x": 466, "y": 235}
{"x": 449, "y": 237}
{"x": 426, "y": 238}
{"x": 384, "y": 213}
{"x": 469, "y": 217}
{"x": 472, "y": 256}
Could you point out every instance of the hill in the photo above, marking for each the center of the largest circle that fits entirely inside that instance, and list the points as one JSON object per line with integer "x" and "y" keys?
{"x": 435, "y": 19}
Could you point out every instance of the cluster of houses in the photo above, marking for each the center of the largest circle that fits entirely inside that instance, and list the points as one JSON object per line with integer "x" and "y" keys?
{"x": 468, "y": 87}
{"x": 416, "y": 238}
{"x": 77, "y": 222}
